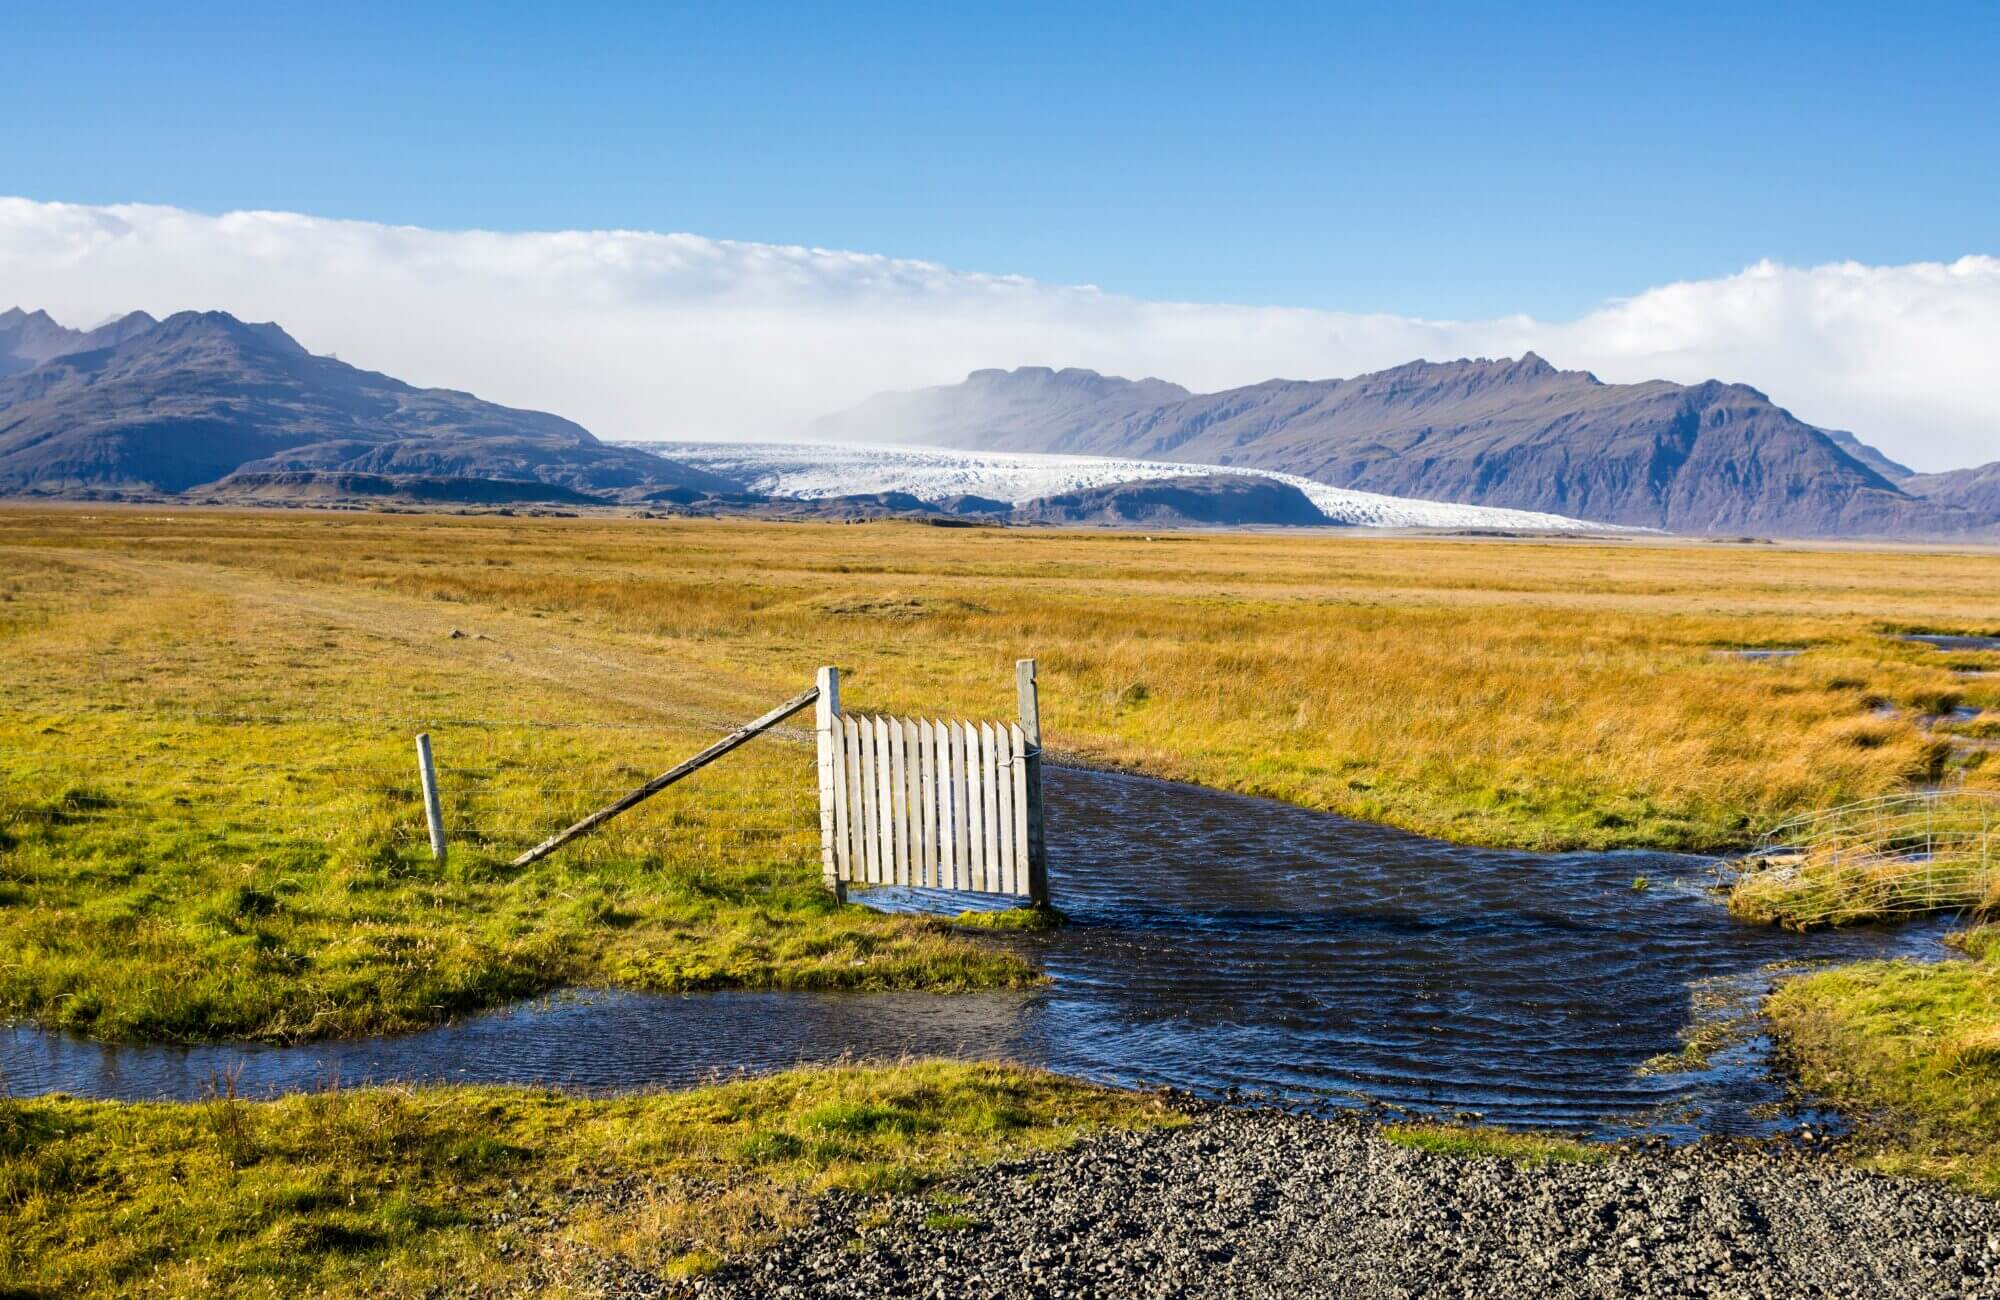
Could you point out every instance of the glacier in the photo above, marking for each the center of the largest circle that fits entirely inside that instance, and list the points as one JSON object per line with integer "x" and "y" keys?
{"x": 810, "y": 471}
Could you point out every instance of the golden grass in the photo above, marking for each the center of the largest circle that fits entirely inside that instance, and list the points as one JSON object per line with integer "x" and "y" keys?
{"x": 1537, "y": 693}
{"x": 208, "y": 817}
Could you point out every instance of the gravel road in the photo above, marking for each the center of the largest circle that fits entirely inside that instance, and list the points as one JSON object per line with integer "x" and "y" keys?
{"x": 1261, "y": 1203}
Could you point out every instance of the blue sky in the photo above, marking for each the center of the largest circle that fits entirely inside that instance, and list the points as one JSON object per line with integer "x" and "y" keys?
{"x": 1435, "y": 161}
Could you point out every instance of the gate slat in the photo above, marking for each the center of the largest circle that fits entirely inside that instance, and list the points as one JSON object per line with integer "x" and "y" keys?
{"x": 1003, "y": 790}
{"x": 871, "y": 843}
{"x": 885, "y": 853}
{"x": 892, "y": 802}
{"x": 885, "y": 805}
{"x": 940, "y": 806}
{"x": 927, "y": 798}
{"x": 961, "y": 847}
{"x": 913, "y": 813}
{"x": 857, "y": 821}
{"x": 857, "y": 811}
{"x": 899, "y": 803}
{"x": 989, "y": 805}
{"x": 941, "y": 765}
{"x": 836, "y": 788}
{"x": 1019, "y": 743}
{"x": 975, "y": 811}
{"x": 892, "y": 799}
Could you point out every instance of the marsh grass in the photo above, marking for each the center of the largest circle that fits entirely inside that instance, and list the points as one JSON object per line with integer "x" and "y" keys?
{"x": 1911, "y": 1052}
{"x": 208, "y": 812}
{"x": 401, "y": 1190}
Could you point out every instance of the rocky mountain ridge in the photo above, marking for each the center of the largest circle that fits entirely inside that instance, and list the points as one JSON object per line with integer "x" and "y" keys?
{"x": 192, "y": 401}
{"x": 1700, "y": 458}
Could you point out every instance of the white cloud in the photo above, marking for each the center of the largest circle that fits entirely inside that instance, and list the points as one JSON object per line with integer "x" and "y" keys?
{"x": 647, "y": 335}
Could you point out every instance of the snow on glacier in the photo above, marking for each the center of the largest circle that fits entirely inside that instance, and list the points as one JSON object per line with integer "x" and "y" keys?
{"x": 809, "y": 471}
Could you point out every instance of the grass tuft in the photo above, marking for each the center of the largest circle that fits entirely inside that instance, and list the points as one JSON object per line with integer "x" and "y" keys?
{"x": 1474, "y": 1142}
{"x": 1012, "y": 918}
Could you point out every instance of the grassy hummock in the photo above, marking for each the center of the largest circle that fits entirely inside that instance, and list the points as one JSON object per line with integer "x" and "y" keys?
{"x": 1910, "y": 1051}
{"x": 1011, "y": 918}
{"x": 403, "y": 1190}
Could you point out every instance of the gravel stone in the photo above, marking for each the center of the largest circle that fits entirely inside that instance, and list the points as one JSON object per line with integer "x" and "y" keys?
{"x": 1260, "y": 1203}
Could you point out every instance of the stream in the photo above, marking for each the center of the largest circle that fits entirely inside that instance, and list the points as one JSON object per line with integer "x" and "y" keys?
{"x": 1219, "y": 943}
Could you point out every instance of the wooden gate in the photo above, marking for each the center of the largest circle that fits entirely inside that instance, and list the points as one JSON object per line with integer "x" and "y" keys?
{"x": 932, "y": 805}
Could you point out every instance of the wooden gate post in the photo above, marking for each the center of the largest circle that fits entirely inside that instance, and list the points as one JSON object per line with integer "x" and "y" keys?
{"x": 1031, "y": 729}
{"x": 826, "y": 717}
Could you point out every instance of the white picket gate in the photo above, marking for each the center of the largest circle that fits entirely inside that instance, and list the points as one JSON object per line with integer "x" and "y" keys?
{"x": 932, "y": 804}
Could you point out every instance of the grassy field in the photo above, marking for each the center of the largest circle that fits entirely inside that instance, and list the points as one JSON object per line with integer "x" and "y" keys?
{"x": 208, "y": 814}
{"x": 392, "y": 1191}
{"x": 210, "y": 827}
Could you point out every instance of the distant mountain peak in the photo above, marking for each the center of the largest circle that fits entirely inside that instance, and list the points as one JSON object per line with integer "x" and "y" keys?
{"x": 1075, "y": 377}
{"x": 130, "y": 322}
{"x": 220, "y": 324}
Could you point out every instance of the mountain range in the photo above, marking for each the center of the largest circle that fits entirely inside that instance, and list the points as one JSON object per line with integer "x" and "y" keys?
{"x": 202, "y": 400}
{"x": 1699, "y": 458}
{"x": 202, "y": 403}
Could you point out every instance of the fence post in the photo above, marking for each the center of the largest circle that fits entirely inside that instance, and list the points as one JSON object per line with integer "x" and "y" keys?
{"x": 1031, "y": 728}
{"x": 433, "y": 811}
{"x": 826, "y": 717}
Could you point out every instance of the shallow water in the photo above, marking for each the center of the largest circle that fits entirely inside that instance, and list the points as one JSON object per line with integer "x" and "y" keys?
{"x": 1760, "y": 654}
{"x": 1942, "y": 641}
{"x": 1217, "y": 942}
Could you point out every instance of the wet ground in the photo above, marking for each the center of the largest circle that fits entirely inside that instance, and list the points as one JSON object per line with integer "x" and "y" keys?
{"x": 1944, "y": 641}
{"x": 1218, "y": 943}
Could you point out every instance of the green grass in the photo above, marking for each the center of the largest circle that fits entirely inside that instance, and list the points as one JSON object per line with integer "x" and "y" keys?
{"x": 1909, "y": 1050}
{"x": 1011, "y": 918}
{"x": 170, "y": 872}
{"x": 396, "y": 1191}
{"x": 1474, "y": 1142}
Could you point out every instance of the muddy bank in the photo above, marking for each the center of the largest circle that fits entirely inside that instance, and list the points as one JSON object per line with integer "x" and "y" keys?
{"x": 1260, "y": 1203}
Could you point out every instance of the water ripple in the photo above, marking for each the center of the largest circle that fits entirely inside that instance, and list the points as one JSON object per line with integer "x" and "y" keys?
{"x": 1218, "y": 943}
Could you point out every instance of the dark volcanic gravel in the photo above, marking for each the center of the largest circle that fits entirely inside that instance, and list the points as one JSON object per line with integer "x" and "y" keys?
{"x": 1260, "y": 1203}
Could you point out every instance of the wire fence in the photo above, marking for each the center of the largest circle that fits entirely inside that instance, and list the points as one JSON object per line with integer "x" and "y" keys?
{"x": 1877, "y": 859}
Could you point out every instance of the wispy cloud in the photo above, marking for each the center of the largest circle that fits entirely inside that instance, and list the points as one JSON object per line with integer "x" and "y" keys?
{"x": 638, "y": 334}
